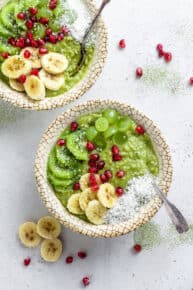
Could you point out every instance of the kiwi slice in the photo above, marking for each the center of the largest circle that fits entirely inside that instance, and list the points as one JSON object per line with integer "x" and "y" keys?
{"x": 76, "y": 143}
{"x": 4, "y": 32}
{"x": 64, "y": 157}
{"x": 58, "y": 182}
{"x": 7, "y": 16}
{"x": 39, "y": 30}
{"x": 8, "y": 48}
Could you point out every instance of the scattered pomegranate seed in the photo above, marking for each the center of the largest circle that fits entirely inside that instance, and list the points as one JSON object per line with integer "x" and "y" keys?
{"x": 5, "y": 55}
{"x": 167, "y": 56}
{"x": 73, "y": 126}
{"x": 29, "y": 35}
{"x": 122, "y": 43}
{"x": 34, "y": 72}
{"x": 48, "y": 31}
{"x": 93, "y": 170}
{"x": 43, "y": 50}
{"x": 117, "y": 157}
{"x": 90, "y": 146}
{"x": 137, "y": 248}
{"x": 191, "y": 81}
{"x": 82, "y": 255}
{"x": 103, "y": 178}
{"x": 119, "y": 191}
{"x": 53, "y": 38}
{"x": 60, "y": 36}
{"x": 26, "y": 261}
{"x": 161, "y": 53}
{"x": 76, "y": 186}
{"x": 65, "y": 30}
{"x": 44, "y": 20}
{"x": 27, "y": 42}
{"x": 20, "y": 42}
{"x": 100, "y": 164}
{"x": 34, "y": 19}
{"x": 22, "y": 79}
{"x": 139, "y": 72}
{"x": 120, "y": 173}
{"x": 33, "y": 10}
{"x": 92, "y": 163}
{"x": 92, "y": 180}
{"x": 29, "y": 24}
{"x": 159, "y": 47}
{"x": 115, "y": 149}
{"x": 12, "y": 41}
{"x": 94, "y": 157}
{"x": 85, "y": 281}
{"x": 21, "y": 16}
{"x": 95, "y": 188}
{"x": 69, "y": 260}
{"x": 108, "y": 174}
{"x": 61, "y": 142}
{"x": 139, "y": 130}
{"x": 52, "y": 5}
{"x": 27, "y": 53}
{"x": 41, "y": 42}
{"x": 34, "y": 43}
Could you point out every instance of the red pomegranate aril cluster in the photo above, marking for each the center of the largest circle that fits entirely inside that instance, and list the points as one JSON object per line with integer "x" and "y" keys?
{"x": 161, "y": 53}
{"x": 82, "y": 255}
{"x": 116, "y": 153}
{"x": 69, "y": 260}
{"x": 34, "y": 43}
{"x": 90, "y": 146}
{"x": 119, "y": 191}
{"x": 5, "y": 55}
{"x": 139, "y": 72}
{"x": 34, "y": 72}
{"x": 53, "y": 4}
{"x": 33, "y": 10}
{"x": 93, "y": 170}
{"x": 85, "y": 281}
{"x": 76, "y": 186}
{"x": 61, "y": 142}
{"x": 27, "y": 53}
{"x": 140, "y": 130}
{"x": 20, "y": 42}
{"x": 73, "y": 126}
{"x": 22, "y": 79}
{"x": 120, "y": 173}
{"x": 122, "y": 43}
{"x": 137, "y": 248}
{"x": 26, "y": 262}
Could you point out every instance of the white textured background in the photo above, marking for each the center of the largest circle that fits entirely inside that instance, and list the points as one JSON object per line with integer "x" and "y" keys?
{"x": 110, "y": 262}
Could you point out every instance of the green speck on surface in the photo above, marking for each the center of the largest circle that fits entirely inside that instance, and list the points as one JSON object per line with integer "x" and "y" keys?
{"x": 174, "y": 239}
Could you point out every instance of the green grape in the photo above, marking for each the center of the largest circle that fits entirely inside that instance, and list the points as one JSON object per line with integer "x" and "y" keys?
{"x": 111, "y": 115}
{"x": 39, "y": 30}
{"x": 45, "y": 12}
{"x": 55, "y": 26}
{"x": 125, "y": 124}
{"x": 120, "y": 138}
{"x": 110, "y": 131}
{"x": 101, "y": 124}
{"x": 91, "y": 133}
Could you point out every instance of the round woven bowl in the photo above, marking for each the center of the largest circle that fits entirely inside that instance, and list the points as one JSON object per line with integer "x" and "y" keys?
{"x": 53, "y": 204}
{"x": 21, "y": 100}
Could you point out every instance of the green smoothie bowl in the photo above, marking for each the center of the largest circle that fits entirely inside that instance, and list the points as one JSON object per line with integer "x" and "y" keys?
{"x": 40, "y": 51}
{"x": 95, "y": 165}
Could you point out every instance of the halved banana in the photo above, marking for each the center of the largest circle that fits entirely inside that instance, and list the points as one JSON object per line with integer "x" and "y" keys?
{"x": 16, "y": 85}
{"x": 51, "y": 82}
{"x": 95, "y": 212}
{"x": 28, "y": 234}
{"x": 54, "y": 63}
{"x": 107, "y": 195}
{"x": 35, "y": 88}
{"x": 85, "y": 197}
{"x": 73, "y": 204}
{"x": 15, "y": 66}
{"x": 34, "y": 58}
{"x": 84, "y": 181}
{"x": 48, "y": 227}
{"x": 51, "y": 250}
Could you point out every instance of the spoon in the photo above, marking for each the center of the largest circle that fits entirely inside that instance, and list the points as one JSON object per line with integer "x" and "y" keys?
{"x": 87, "y": 33}
{"x": 175, "y": 215}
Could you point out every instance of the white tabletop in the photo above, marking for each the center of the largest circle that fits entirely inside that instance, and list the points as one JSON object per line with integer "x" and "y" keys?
{"x": 110, "y": 263}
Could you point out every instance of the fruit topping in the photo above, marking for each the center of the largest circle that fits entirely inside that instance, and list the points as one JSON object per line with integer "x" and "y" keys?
{"x": 167, "y": 56}
{"x": 90, "y": 146}
{"x": 76, "y": 186}
{"x": 85, "y": 281}
{"x": 122, "y": 43}
{"x": 61, "y": 142}
{"x": 73, "y": 126}
{"x": 69, "y": 260}
{"x": 140, "y": 130}
{"x": 26, "y": 261}
{"x": 27, "y": 53}
{"x": 139, "y": 72}
{"x": 22, "y": 79}
{"x": 137, "y": 248}
{"x": 82, "y": 255}
{"x": 120, "y": 173}
{"x": 119, "y": 191}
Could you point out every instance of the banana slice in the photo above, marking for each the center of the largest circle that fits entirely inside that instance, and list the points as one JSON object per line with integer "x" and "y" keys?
{"x": 48, "y": 227}
{"x": 85, "y": 197}
{"x": 84, "y": 181}
{"x": 107, "y": 195}
{"x": 51, "y": 82}
{"x": 16, "y": 85}
{"x": 54, "y": 63}
{"x": 34, "y": 59}
{"x": 73, "y": 204}
{"x": 15, "y": 66}
{"x": 95, "y": 212}
{"x": 51, "y": 250}
{"x": 35, "y": 88}
{"x": 28, "y": 235}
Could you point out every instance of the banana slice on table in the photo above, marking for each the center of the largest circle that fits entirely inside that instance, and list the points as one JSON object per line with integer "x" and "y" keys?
{"x": 51, "y": 250}
{"x": 107, "y": 195}
{"x": 15, "y": 66}
{"x": 84, "y": 181}
{"x": 85, "y": 197}
{"x": 54, "y": 63}
{"x": 34, "y": 58}
{"x": 35, "y": 88}
{"x": 16, "y": 85}
{"x": 51, "y": 82}
{"x": 28, "y": 235}
{"x": 95, "y": 212}
{"x": 73, "y": 204}
{"x": 48, "y": 227}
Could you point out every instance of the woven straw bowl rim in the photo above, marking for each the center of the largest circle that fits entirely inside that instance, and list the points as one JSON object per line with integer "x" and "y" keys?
{"x": 55, "y": 207}
{"x": 19, "y": 99}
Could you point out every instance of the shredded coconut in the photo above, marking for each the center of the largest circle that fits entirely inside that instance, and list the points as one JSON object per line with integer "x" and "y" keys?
{"x": 138, "y": 192}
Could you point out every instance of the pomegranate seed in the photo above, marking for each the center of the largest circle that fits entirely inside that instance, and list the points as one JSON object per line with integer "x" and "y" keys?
{"x": 159, "y": 47}
{"x": 22, "y": 79}
{"x": 12, "y": 41}
{"x": 46, "y": 38}
{"x": 20, "y": 42}
{"x": 44, "y": 20}
{"x": 92, "y": 180}
{"x": 167, "y": 56}
{"x": 82, "y": 255}
{"x": 108, "y": 174}
{"x": 120, "y": 173}
{"x": 90, "y": 146}
{"x": 5, "y": 55}
{"x": 122, "y": 43}
{"x": 137, "y": 248}
{"x": 73, "y": 126}
{"x": 41, "y": 42}
{"x": 65, "y": 30}
{"x": 115, "y": 149}
{"x": 100, "y": 164}
{"x": 139, "y": 72}
{"x": 161, "y": 53}
{"x": 69, "y": 260}
{"x": 34, "y": 72}
{"x": 191, "y": 81}
{"x": 29, "y": 24}
{"x": 94, "y": 157}
{"x": 21, "y": 16}
{"x": 34, "y": 19}
{"x": 92, "y": 163}
{"x": 26, "y": 261}
{"x": 60, "y": 36}
{"x": 61, "y": 142}
{"x": 103, "y": 178}
{"x": 117, "y": 157}
{"x": 95, "y": 188}
{"x": 93, "y": 170}
{"x": 53, "y": 38}
{"x": 76, "y": 186}
{"x": 27, "y": 42}
{"x": 52, "y": 5}
{"x": 139, "y": 130}
{"x": 119, "y": 191}
{"x": 29, "y": 35}
{"x": 34, "y": 43}
{"x": 48, "y": 31}
{"x": 33, "y": 10}
{"x": 27, "y": 53}
{"x": 85, "y": 281}
{"x": 43, "y": 50}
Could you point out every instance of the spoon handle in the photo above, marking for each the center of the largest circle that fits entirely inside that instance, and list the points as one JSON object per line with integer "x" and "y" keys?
{"x": 176, "y": 216}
